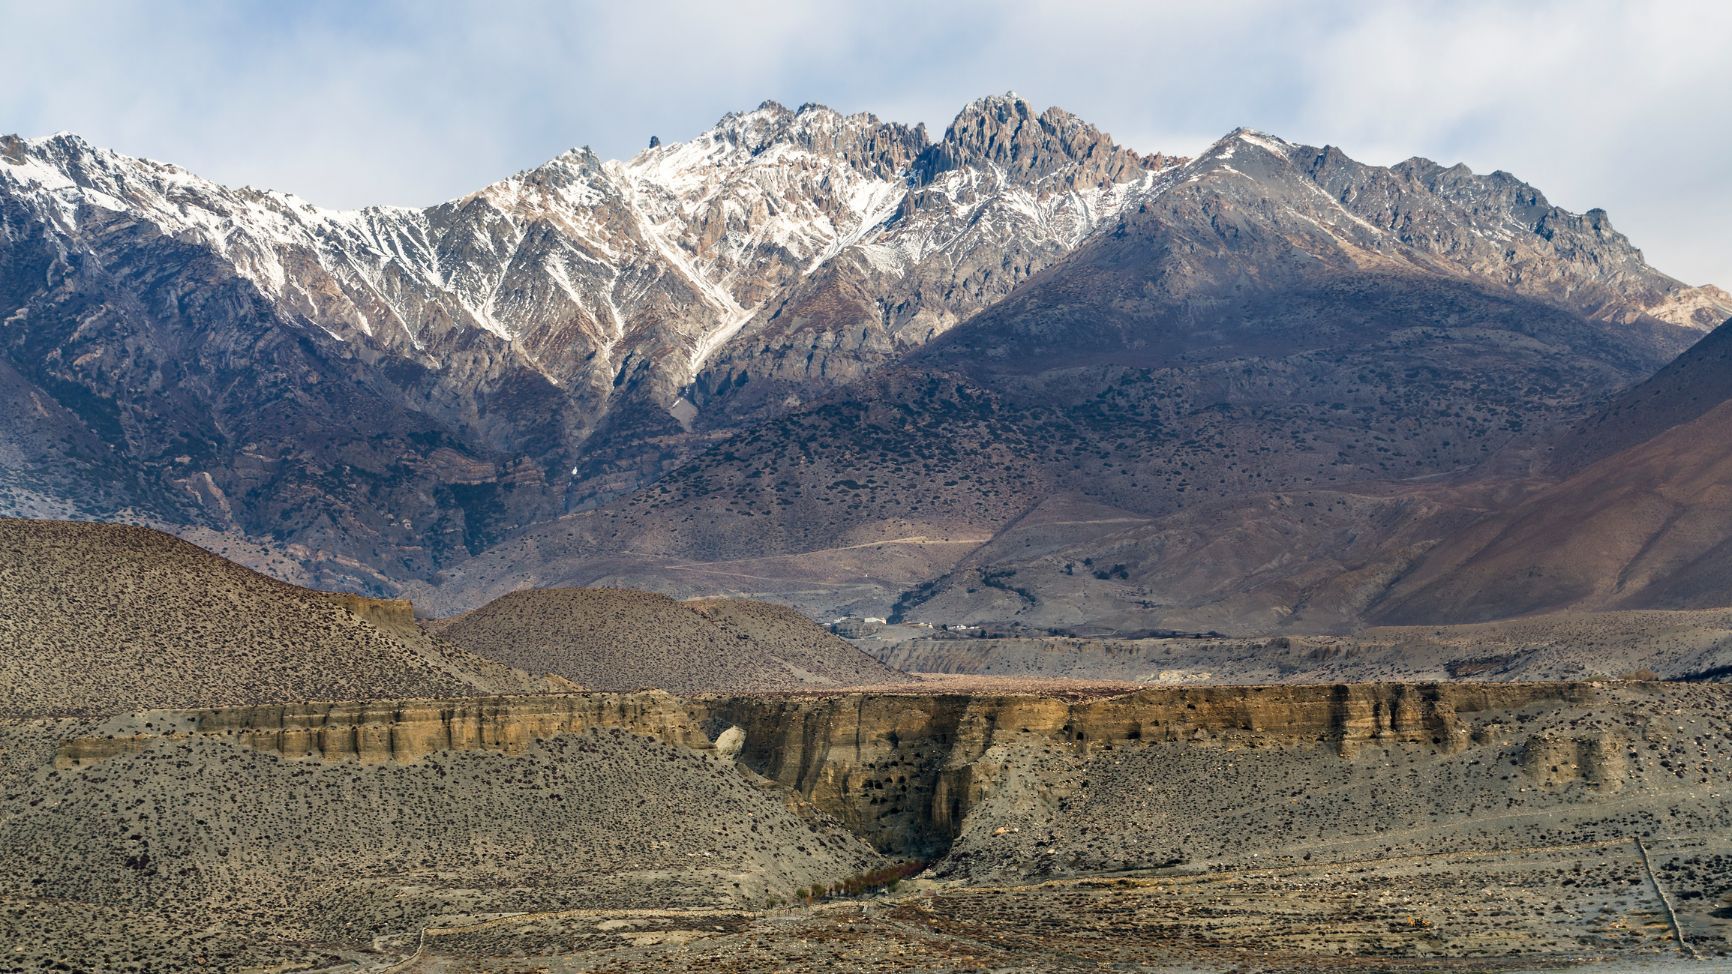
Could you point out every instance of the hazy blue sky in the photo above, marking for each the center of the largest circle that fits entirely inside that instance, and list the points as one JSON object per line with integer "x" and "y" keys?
{"x": 1627, "y": 106}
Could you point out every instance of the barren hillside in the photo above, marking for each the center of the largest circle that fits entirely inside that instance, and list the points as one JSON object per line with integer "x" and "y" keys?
{"x": 616, "y": 639}
{"x": 1641, "y": 527}
{"x": 104, "y": 618}
{"x": 203, "y": 855}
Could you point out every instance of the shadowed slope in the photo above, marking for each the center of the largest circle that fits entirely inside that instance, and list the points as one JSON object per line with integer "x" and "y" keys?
{"x": 1650, "y": 527}
{"x": 1691, "y": 385}
{"x": 1644, "y": 521}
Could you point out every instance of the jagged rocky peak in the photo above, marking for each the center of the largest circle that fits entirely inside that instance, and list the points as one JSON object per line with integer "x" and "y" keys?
{"x": 578, "y": 177}
{"x": 65, "y": 161}
{"x": 1246, "y": 152}
{"x": 1254, "y": 138}
{"x": 1498, "y": 201}
{"x": 64, "y": 150}
{"x": 579, "y": 159}
{"x": 1005, "y": 131}
{"x": 1500, "y": 192}
{"x": 862, "y": 140}
{"x": 1498, "y": 227}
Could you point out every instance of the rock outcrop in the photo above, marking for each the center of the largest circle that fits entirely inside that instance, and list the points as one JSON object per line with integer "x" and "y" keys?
{"x": 394, "y": 731}
{"x": 904, "y": 770}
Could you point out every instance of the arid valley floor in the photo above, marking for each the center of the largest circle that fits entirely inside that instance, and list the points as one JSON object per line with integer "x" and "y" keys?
{"x": 356, "y": 792}
{"x": 711, "y": 488}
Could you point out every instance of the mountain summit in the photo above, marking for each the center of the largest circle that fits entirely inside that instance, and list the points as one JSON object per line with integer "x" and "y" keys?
{"x": 377, "y": 395}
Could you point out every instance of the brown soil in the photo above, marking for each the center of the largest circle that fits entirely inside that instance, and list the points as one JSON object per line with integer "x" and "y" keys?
{"x": 101, "y": 619}
{"x": 616, "y": 639}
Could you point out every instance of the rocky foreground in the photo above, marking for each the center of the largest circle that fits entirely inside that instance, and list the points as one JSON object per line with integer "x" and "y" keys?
{"x": 1415, "y": 827}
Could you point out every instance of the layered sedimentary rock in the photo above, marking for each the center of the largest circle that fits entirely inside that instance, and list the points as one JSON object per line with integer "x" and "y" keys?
{"x": 904, "y": 771}
{"x": 380, "y": 731}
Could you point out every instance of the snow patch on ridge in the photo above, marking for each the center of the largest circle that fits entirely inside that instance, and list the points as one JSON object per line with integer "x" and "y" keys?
{"x": 688, "y": 240}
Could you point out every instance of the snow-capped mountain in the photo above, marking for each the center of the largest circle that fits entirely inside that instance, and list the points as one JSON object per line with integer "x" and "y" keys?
{"x": 601, "y": 273}
{"x": 1253, "y": 399}
{"x": 233, "y": 357}
{"x": 700, "y": 260}
{"x": 1004, "y": 194}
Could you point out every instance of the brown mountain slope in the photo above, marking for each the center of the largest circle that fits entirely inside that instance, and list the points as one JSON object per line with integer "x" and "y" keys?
{"x": 616, "y": 639}
{"x": 101, "y": 618}
{"x": 1690, "y": 385}
{"x": 1239, "y": 339}
{"x": 1648, "y": 527}
{"x": 895, "y": 483}
{"x": 1286, "y": 561}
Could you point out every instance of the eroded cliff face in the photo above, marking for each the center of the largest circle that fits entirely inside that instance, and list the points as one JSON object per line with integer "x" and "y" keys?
{"x": 382, "y": 731}
{"x": 903, "y": 771}
{"x": 1232, "y": 816}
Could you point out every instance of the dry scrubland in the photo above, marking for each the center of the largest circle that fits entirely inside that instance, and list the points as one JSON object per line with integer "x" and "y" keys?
{"x": 1680, "y": 644}
{"x": 1066, "y": 825}
{"x": 1251, "y": 833}
{"x": 614, "y": 639}
{"x": 101, "y": 619}
{"x": 200, "y": 854}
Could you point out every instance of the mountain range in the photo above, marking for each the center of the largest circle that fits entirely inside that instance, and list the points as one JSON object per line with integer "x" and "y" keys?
{"x": 1018, "y": 373}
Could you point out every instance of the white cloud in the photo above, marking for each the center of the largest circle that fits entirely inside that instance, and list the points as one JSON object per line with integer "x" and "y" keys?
{"x": 1620, "y": 105}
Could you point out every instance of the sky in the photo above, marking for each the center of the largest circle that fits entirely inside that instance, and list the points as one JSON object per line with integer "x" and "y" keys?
{"x": 1624, "y": 106}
